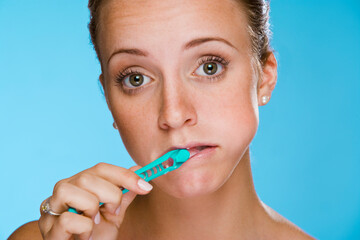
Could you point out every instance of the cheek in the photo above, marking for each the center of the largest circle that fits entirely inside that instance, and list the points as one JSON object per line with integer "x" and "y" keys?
{"x": 237, "y": 125}
{"x": 234, "y": 114}
{"x": 135, "y": 128}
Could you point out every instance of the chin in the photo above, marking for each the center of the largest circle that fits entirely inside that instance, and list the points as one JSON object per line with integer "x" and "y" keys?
{"x": 190, "y": 185}
{"x": 187, "y": 193}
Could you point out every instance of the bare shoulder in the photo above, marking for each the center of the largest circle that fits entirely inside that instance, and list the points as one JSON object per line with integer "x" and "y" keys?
{"x": 284, "y": 228}
{"x": 27, "y": 231}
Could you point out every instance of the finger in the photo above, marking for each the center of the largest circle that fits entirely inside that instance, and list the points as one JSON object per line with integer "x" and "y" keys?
{"x": 129, "y": 197}
{"x": 126, "y": 201}
{"x": 45, "y": 223}
{"x": 104, "y": 190}
{"x": 121, "y": 209}
{"x": 67, "y": 195}
{"x": 134, "y": 168}
{"x": 118, "y": 207}
{"x": 70, "y": 224}
{"x": 121, "y": 177}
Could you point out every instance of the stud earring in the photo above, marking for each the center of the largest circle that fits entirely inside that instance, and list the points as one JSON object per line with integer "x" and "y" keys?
{"x": 265, "y": 99}
{"x": 114, "y": 125}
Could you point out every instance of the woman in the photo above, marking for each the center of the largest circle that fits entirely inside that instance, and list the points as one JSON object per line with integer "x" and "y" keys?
{"x": 176, "y": 74}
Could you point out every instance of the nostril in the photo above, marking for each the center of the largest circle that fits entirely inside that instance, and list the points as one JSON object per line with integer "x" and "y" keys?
{"x": 175, "y": 113}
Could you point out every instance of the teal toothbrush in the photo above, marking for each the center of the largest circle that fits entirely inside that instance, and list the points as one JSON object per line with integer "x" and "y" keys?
{"x": 159, "y": 167}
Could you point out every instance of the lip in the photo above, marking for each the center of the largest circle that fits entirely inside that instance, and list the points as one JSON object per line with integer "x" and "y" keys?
{"x": 199, "y": 157}
{"x": 189, "y": 146}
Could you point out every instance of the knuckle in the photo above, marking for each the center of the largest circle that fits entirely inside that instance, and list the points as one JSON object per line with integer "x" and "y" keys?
{"x": 94, "y": 205}
{"x": 100, "y": 167}
{"x": 84, "y": 179}
{"x": 131, "y": 179}
{"x": 118, "y": 195}
{"x": 60, "y": 190}
{"x": 128, "y": 174}
{"x": 59, "y": 184}
{"x": 91, "y": 206}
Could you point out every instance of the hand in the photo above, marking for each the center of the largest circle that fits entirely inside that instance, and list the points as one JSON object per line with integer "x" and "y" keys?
{"x": 84, "y": 191}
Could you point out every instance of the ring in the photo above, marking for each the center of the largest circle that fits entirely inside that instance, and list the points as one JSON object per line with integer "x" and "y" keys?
{"x": 45, "y": 208}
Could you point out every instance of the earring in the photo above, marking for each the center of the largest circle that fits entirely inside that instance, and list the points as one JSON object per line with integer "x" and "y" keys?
{"x": 265, "y": 99}
{"x": 114, "y": 125}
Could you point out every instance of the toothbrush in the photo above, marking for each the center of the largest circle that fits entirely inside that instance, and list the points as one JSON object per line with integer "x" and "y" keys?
{"x": 161, "y": 166}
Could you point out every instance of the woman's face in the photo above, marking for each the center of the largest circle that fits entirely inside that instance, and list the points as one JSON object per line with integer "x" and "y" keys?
{"x": 179, "y": 74}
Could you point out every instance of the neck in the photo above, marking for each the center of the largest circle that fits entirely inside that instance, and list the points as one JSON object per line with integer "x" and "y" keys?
{"x": 233, "y": 209}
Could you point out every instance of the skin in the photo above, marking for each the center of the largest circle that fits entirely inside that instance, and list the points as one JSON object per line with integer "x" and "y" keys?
{"x": 213, "y": 198}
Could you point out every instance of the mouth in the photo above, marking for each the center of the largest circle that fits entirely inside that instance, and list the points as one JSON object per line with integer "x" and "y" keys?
{"x": 194, "y": 149}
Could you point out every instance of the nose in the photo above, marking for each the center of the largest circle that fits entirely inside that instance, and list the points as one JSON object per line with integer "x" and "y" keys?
{"x": 177, "y": 109}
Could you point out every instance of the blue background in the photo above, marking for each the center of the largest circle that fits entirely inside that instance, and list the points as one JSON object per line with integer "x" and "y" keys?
{"x": 54, "y": 121}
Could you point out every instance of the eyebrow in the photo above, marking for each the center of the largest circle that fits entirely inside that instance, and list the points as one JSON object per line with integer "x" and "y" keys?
{"x": 198, "y": 41}
{"x": 191, "y": 44}
{"x": 133, "y": 51}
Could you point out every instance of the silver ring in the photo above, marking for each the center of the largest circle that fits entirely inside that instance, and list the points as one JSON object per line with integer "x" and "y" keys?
{"x": 45, "y": 208}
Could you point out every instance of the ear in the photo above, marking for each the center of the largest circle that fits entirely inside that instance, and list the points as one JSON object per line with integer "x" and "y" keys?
{"x": 102, "y": 81}
{"x": 268, "y": 81}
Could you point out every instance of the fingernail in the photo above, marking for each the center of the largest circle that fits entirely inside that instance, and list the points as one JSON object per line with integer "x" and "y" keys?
{"x": 91, "y": 238}
{"x": 97, "y": 218}
{"x": 117, "y": 211}
{"x": 144, "y": 185}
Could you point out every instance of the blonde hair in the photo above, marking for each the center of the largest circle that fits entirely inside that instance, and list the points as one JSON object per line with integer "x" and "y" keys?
{"x": 257, "y": 12}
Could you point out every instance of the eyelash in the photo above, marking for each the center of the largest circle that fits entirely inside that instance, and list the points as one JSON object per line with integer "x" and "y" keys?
{"x": 122, "y": 75}
{"x": 216, "y": 59}
{"x": 206, "y": 59}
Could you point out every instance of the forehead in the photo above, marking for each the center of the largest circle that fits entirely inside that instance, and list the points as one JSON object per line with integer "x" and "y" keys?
{"x": 158, "y": 24}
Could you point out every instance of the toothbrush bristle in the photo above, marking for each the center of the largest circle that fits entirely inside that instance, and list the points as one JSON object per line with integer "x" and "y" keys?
{"x": 168, "y": 163}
